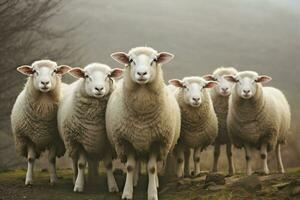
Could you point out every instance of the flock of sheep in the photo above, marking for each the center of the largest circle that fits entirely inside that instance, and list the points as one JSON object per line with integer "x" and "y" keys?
{"x": 137, "y": 118}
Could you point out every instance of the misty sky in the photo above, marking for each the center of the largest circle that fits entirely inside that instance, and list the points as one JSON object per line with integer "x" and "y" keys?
{"x": 248, "y": 34}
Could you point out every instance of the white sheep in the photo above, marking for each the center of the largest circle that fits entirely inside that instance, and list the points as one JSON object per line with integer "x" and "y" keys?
{"x": 143, "y": 117}
{"x": 199, "y": 123}
{"x": 33, "y": 117}
{"x": 81, "y": 121}
{"x": 258, "y": 117}
{"x": 220, "y": 96}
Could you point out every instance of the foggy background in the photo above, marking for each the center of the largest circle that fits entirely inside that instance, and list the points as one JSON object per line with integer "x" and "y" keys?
{"x": 249, "y": 35}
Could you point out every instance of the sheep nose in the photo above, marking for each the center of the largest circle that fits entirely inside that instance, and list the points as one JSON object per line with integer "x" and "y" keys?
{"x": 142, "y": 73}
{"x": 246, "y": 91}
{"x": 225, "y": 89}
{"x": 99, "y": 89}
{"x": 45, "y": 83}
{"x": 196, "y": 99}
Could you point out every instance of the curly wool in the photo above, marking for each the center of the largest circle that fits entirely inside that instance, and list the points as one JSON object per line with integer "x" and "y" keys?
{"x": 263, "y": 119}
{"x": 82, "y": 122}
{"x": 220, "y": 104}
{"x": 142, "y": 118}
{"x": 199, "y": 125}
{"x": 34, "y": 120}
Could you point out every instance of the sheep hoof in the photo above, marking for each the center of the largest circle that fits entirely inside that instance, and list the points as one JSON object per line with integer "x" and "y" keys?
{"x": 113, "y": 189}
{"x": 266, "y": 172}
{"x": 29, "y": 183}
{"x": 78, "y": 188}
{"x": 52, "y": 184}
{"x": 53, "y": 181}
{"x": 127, "y": 195}
{"x": 152, "y": 197}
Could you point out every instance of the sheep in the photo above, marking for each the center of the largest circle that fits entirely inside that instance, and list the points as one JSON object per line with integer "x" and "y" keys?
{"x": 143, "y": 117}
{"x": 258, "y": 117}
{"x": 199, "y": 124}
{"x": 33, "y": 117}
{"x": 81, "y": 122}
{"x": 220, "y": 96}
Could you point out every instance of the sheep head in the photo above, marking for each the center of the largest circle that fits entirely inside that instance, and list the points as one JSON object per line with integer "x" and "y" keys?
{"x": 97, "y": 78}
{"x": 224, "y": 87}
{"x": 45, "y": 74}
{"x": 142, "y": 63}
{"x": 247, "y": 82}
{"x": 192, "y": 88}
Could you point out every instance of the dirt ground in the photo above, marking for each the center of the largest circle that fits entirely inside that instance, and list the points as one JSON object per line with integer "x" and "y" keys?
{"x": 274, "y": 186}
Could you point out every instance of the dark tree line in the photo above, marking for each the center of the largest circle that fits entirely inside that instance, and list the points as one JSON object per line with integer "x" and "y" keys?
{"x": 25, "y": 36}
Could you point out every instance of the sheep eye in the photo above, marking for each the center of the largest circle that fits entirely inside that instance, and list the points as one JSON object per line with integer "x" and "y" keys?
{"x": 154, "y": 60}
{"x": 53, "y": 73}
{"x": 131, "y": 61}
{"x": 35, "y": 72}
{"x": 86, "y": 76}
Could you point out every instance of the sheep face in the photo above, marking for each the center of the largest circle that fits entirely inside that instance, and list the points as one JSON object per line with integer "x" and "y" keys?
{"x": 142, "y": 63}
{"x": 192, "y": 88}
{"x": 45, "y": 74}
{"x": 97, "y": 78}
{"x": 246, "y": 83}
{"x": 224, "y": 87}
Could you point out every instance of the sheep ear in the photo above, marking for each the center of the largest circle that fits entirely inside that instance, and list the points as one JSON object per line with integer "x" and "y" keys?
{"x": 210, "y": 84}
{"x": 121, "y": 57}
{"x": 164, "y": 57}
{"x": 263, "y": 79}
{"x": 230, "y": 78}
{"x": 209, "y": 77}
{"x": 62, "y": 69}
{"x": 176, "y": 83}
{"x": 77, "y": 72}
{"x": 26, "y": 69}
{"x": 115, "y": 73}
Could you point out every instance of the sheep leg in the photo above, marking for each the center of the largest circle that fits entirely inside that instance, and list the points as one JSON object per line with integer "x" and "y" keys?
{"x": 93, "y": 170}
{"x": 79, "y": 183}
{"x": 157, "y": 180}
{"x": 111, "y": 181}
{"x": 216, "y": 157}
{"x": 229, "y": 157}
{"x": 152, "y": 174}
{"x": 31, "y": 155}
{"x": 75, "y": 169}
{"x": 248, "y": 159}
{"x": 130, "y": 167}
{"x": 52, "y": 168}
{"x": 279, "y": 160}
{"x": 197, "y": 152}
{"x": 136, "y": 173}
{"x": 180, "y": 162}
{"x": 187, "y": 168}
{"x": 264, "y": 157}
